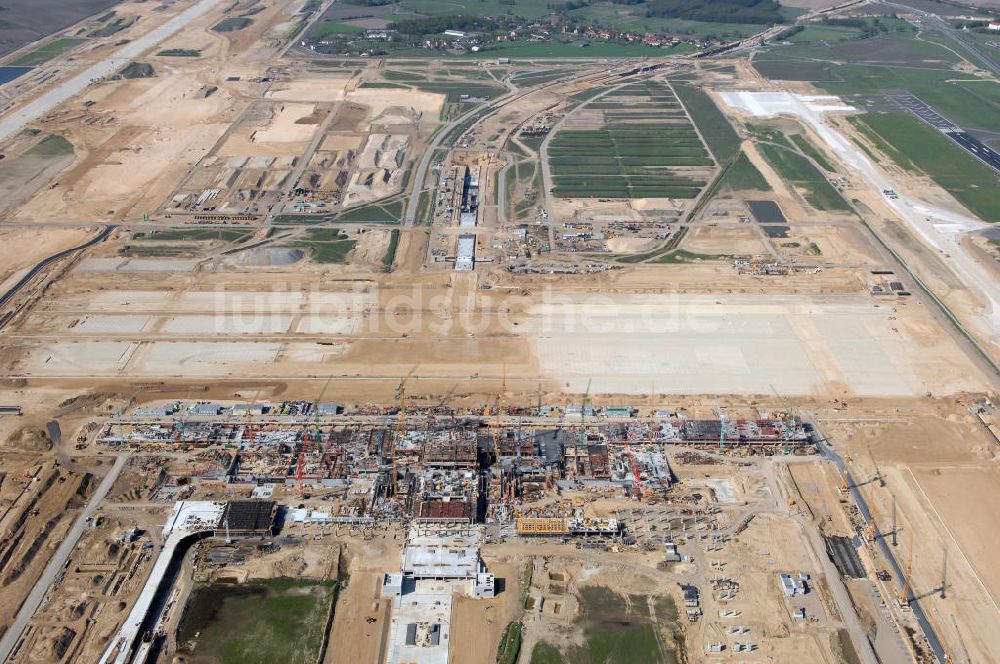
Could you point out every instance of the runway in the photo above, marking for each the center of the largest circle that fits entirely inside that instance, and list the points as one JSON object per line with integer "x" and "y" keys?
{"x": 964, "y": 139}
{"x": 17, "y": 119}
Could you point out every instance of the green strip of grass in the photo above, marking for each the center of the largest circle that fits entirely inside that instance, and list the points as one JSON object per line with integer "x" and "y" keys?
{"x": 915, "y": 146}
{"x": 390, "y": 252}
{"x": 722, "y": 139}
{"x": 810, "y": 151}
{"x": 43, "y": 54}
{"x": 800, "y": 172}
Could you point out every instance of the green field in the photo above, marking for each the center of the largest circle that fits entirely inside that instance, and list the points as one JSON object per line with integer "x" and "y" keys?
{"x": 323, "y": 251}
{"x": 232, "y": 24}
{"x": 51, "y": 146}
{"x": 796, "y": 169}
{"x": 180, "y": 53}
{"x": 616, "y": 631}
{"x": 262, "y": 622}
{"x": 380, "y": 213}
{"x": 196, "y": 234}
{"x": 722, "y": 139}
{"x": 632, "y": 156}
{"x": 810, "y": 151}
{"x": 326, "y": 29}
{"x": 818, "y": 33}
{"x": 159, "y": 250}
{"x": 742, "y": 175}
{"x": 916, "y": 146}
{"x": 43, "y": 54}
{"x": 390, "y": 252}
{"x": 890, "y": 63}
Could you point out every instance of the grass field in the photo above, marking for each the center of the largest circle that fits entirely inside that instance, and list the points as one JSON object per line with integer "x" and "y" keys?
{"x": 722, "y": 139}
{"x": 822, "y": 33}
{"x": 390, "y": 252}
{"x": 322, "y": 251}
{"x": 800, "y": 172}
{"x": 159, "y": 250}
{"x": 43, "y": 54}
{"x": 383, "y": 213}
{"x": 615, "y": 632}
{"x": 333, "y": 28}
{"x": 195, "y": 234}
{"x": 890, "y": 63}
{"x": 915, "y": 146}
{"x": 810, "y": 151}
{"x": 742, "y": 175}
{"x": 276, "y": 620}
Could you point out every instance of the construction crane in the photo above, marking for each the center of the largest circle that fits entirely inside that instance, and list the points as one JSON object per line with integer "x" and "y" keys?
{"x": 878, "y": 473}
{"x": 904, "y": 592}
{"x": 870, "y": 526}
{"x": 722, "y": 429}
{"x": 401, "y": 425}
{"x": 583, "y": 415}
{"x": 788, "y": 418}
{"x": 497, "y": 412}
{"x": 182, "y": 421}
{"x": 298, "y": 468}
{"x": 315, "y": 410}
{"x": 401, "y": 432}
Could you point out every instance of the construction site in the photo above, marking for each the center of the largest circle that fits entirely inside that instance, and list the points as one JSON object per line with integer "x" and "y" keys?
{"x": 437, "y": 357}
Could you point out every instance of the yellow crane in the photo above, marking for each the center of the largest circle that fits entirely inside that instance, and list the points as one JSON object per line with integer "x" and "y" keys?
{"x": 389, "y": 448}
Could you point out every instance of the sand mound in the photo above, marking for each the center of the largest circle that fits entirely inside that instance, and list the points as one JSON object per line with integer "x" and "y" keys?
{"x": 626, "y": 245}
{"x": 268, "y": 256}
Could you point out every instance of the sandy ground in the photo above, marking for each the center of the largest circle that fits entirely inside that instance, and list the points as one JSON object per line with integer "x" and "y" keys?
{"x": 711, "y": 239}
{"x": 23, "y": 247}
{"x": 940, "y": 466}
{"x": 130, "y": 158}
{"x": 477, "y": 624}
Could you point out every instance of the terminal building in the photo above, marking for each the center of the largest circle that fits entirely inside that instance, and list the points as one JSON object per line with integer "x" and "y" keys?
{"x": 439, "y": 560}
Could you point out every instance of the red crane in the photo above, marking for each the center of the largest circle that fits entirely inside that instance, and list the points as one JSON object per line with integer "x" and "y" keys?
{"x": 301, "y": 462}
{"x": 635, "y": 471}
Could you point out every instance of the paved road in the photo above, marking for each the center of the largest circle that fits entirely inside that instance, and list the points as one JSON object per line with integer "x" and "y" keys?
{"x": 58, "y": 561}
{"x": 16, "y": 120}
{"x": 976, "y": 148}
{"x": 33, "y": 272}
{"x": 965, "y": 140}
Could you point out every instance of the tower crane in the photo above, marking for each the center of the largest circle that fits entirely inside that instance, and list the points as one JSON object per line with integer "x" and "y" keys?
{"x": 583, "y": 415}
{"x": 904, "y": 592}
{"x": 722, "y": 428}
{"x": 315, "y": 409}
{"x": 582, "y": 437}
{"x": 789, "y": 418}
{"x": 389, "y": 455}
{"x": 298, "y": 468}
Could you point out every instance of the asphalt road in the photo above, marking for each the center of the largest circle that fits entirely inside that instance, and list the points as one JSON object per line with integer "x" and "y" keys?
{"x": 57, "y": 562}
{"x": 965, "y": 140}
{"x": 17, "y": 119}
{"x": 977, "y": 148}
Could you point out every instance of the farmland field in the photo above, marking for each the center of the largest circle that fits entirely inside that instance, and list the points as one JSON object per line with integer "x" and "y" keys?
{"x": 646, "y": 148}
{"x": 266, "y": 621}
